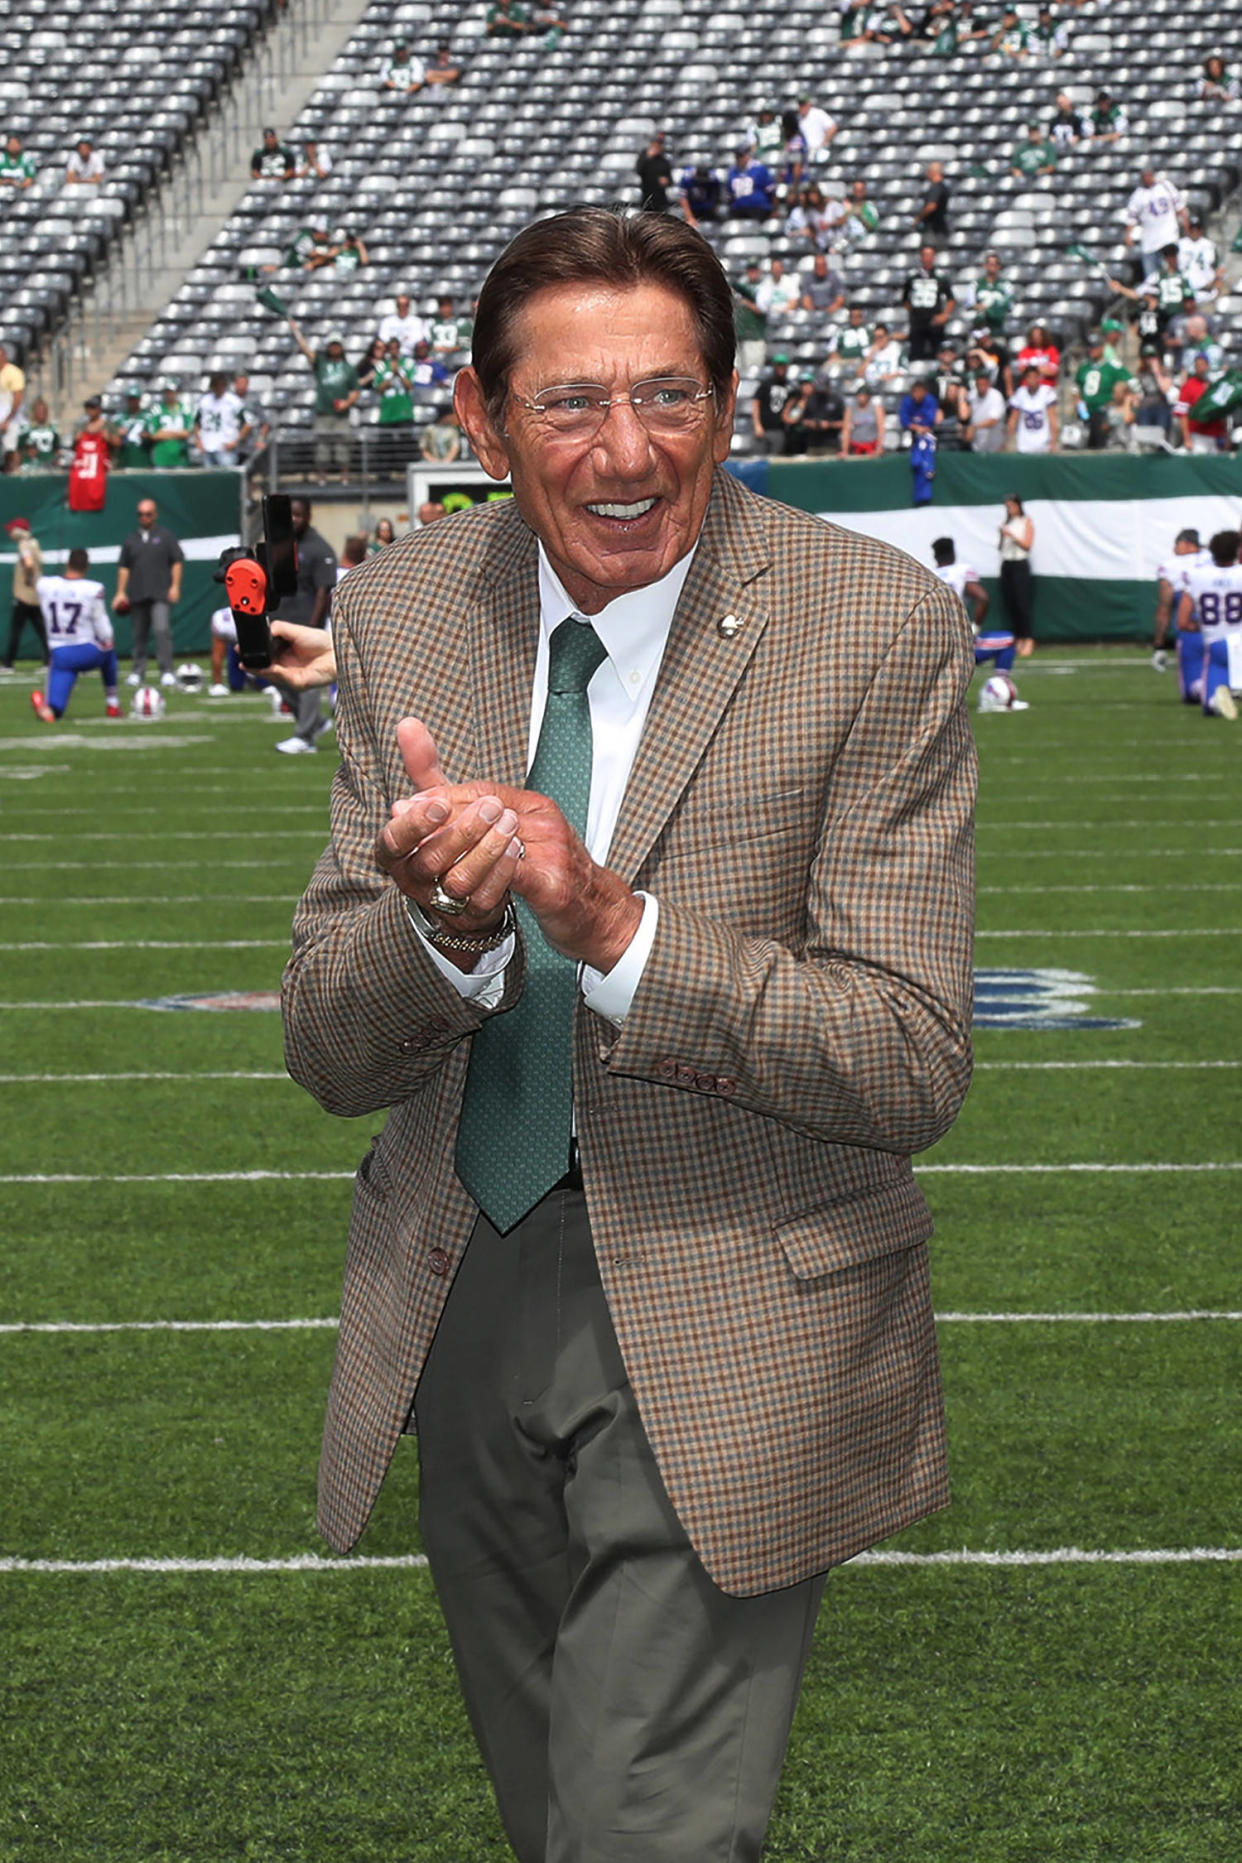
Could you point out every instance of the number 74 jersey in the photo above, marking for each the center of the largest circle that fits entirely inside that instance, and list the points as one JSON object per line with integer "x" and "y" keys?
{"x": 74, "y": 612}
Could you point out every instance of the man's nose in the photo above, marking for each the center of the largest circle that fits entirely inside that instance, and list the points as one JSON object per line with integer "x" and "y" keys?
{"x": 623, "y": 441}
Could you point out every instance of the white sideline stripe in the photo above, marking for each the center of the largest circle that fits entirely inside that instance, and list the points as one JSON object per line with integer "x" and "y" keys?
{"x": 200, "y": 834}
{"x": 1047, "y": 1170}
{"x": 417, "y": 1562}
{"x": 1176, "y": 989}
{"x": 1116, "y": 886}
{"x": 324, "y": 1177}
{"x": 330, "y": 1324}
{"x": 150, "y": 944}
{"x": 166, "y": 899}
{"x": 997, "y": 1066}
{"x": 1101, "y": 931}
{"x": 1078, "y": 853}
{"x": 127, "y": 866}
{"x": 235, "y": 1073}
{"x": 1007, "y": 826}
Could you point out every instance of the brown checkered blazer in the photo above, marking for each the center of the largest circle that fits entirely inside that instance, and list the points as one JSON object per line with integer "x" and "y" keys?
{"x": 801, "y": 806}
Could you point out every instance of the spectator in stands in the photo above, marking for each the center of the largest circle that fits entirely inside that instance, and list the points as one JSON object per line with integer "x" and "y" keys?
{"x": 780, "y": 292}
{"x": 25, "y": 611}
{"x": 987, "y": 415}
{"x": 1199, "y": 261}
{"x": 987, "y": 356}
{"x": 863, "y": 25}
{"x": 509, "y": 19}
{"x": 655, "y": 175}
{"x": 928, "y": 298}
{"x": 948, "y": 388}
{"x": 1036, "y": 155}
{"x": 822, "y": 290}
{"x": 336, "y": 392}
{"x": 218, "y": 422}
{"x": 768, "y": 406}
{"x": 765, "y": 137}
{"x": 353, "y": 555}
{"x": 793, "y": 162}
{"x": 170, "y": 425}
{"x": 1155, "y": 218}
{"x": 309, "y": 250}
{"x": 86, "y": 164}
{"x": 970, "y": 25}
{"x": 1196, "y": 337}
{"x": 750, "y": 320}
{"x": 1209, "y": 436}
{"x": 12, "y": 394}
{"x": 1068, "y": 127}
{"x": 1040, "y": 349}
{"x": 862, "y": 215}
{"x": 812, "y": 418}
{"x": 1049, "y": 37}
{"x": 384, "y": 535}
{"x": 440, "y": 440}
{"x": 316, "y": 163}
{"x": 1166, "y": 290}
{"x": 1012, "y": 39}
{"x": 348, "y": 251}
{"x": 427, "y": 371}
{"x": 1015, "y": 542}
{"x": 256, "y": 427}
{"x": 17, "y": 169}
{"x": 1152, "y": 394}
{"x": 884, "y": 359}
{"x": 133, "y": 452}
{"x": 1108, "y": 119}
{"x": 449, "y": 332}
{"x": 932, "y": 218}
{"x": 852, "y": 342}
{"x": 273, "y": 159}
{"x": 1217, "y": 84}
{"x": 862, "y": 430}
{"x": 92, "y": 458}
{"x": 1033, "y": 419}
{"x": 702, "y": 194}
{"x": 551, "y": 23}
{"x": 148, "y": 588}
{"x": 390, "y": 377}
{"x": 1097, "y": 381}
{"x": 443, "y": 69}
{"x": 813, "y": 219}
{"x": 38, "y": 442}
{"x": 919, "y": 415}
{"x": 401, "y": 73}
{"x": 818, "y": 130}
{"x": 751, "y": 186}
{"x": 993, "y": 296}
{"x": 404, "y": 324}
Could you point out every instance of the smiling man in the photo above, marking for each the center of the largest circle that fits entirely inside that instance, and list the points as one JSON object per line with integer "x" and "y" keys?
{"x": 647, "y": 912}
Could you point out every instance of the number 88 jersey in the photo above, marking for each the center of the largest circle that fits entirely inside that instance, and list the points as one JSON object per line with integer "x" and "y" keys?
{"x": 1217, "y": 596}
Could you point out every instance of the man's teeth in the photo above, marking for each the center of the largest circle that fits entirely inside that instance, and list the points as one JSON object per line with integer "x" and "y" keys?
{"x": 623, "y": 511}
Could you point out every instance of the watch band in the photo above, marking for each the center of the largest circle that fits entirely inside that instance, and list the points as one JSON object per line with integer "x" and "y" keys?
{"x": 444, "y": 939}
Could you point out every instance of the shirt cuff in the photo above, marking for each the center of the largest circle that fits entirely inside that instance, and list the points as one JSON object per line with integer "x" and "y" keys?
{"x": 485, "y": 984}
{"x": 612, "y": 994}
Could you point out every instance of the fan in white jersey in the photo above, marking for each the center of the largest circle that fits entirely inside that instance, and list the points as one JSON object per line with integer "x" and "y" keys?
{"x": 79, "y": 638}
{"x": 219, "y": 422}
{"x": 1033, "y": 413}
{"x": 1188, "y": 554}
{"x": 1209, "y": 624}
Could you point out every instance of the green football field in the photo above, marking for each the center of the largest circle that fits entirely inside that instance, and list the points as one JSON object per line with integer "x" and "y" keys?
{"x": 1048, "y": 1670}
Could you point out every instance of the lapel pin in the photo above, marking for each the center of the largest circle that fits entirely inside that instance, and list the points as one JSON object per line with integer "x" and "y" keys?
{"x": 727, "y": 626}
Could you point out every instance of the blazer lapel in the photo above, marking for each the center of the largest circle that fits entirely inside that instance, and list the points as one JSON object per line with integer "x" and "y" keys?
{"x": 716, "y": 628}
{"x": 503, "y": 638}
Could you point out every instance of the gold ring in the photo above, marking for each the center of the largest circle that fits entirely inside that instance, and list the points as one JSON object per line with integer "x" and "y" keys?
{"x": 445, "y": 902}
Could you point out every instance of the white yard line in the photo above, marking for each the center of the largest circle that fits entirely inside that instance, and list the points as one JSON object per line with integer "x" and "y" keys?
{"x": 1215, "y": 886}
{"x": 150, "y": 944}
{"x": 191, "y": 834}
{"x": 1074, "y": 1066}
{"x": 258, "y": 1177}
{"x": 329, "y": 1324}
{"x": 417, "y": 1562}
{"x": 1008, "y": 824}
{"x": 142, "y": 900}
{"x": 233, "y": 1073}
{"x": 1103, "y": 931}
{"x": 1045, "y": 1170}
{"x": 56, "y": 864}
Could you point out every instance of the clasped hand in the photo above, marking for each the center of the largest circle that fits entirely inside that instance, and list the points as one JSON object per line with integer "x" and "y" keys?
{"x": 478, "y": 841}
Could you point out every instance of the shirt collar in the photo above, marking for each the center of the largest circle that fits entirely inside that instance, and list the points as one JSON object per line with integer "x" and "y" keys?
{"x": 633, "y": 628}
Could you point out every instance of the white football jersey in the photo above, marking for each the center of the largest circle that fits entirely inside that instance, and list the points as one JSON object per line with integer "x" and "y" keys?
{"x": 957, "y": 575}
{"x": 1032, "y": 404}
{"x": 223, "y": 625}
{"x": 74, "y": 612}
{"x": 1217, "y": 596}
{"x": 1175, "y": 569}
{"x": 219, "y": 419}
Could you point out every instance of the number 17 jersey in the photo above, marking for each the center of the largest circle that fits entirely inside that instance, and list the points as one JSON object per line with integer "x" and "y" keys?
{"x": 74, "y": 612}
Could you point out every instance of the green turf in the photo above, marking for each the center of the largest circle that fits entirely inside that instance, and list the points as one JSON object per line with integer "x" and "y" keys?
{"x": 951, "y": 1714}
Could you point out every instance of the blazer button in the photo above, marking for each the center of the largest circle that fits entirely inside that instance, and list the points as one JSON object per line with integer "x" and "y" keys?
{"x": 725, "y": 1085}
{"x": 439, "y": 1261}
{"x": 688, "y": 1076}
{"x": 407, "y": 1046}
{"x": 707, "y": 1082}
{"x": 668, "y": 1069}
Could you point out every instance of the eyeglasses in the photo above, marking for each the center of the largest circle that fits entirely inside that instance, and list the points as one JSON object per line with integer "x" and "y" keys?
{"x": 668, "y": 404}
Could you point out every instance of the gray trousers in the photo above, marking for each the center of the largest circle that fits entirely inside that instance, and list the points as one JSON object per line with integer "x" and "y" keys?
{"x": 627, "y": 1710}
{"x": 307, "y": 710}
{"x": 145, "y": 616}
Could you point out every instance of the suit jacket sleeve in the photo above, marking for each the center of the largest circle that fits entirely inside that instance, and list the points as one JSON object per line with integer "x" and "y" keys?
{"x": 368, "y": 1017}
{"x": 859, "y": 1033}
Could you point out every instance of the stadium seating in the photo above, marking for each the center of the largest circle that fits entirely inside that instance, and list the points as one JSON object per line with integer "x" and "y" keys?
{"x": 437, "y": 183}
{"x": 139, "y": 80}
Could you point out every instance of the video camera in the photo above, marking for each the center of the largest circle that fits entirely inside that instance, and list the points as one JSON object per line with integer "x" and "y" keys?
{"x": 258, "y": 580}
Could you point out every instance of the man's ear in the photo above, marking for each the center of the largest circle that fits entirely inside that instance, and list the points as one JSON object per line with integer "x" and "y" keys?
{"x": 486, "y": 443}
{"x": 722, "y": 439}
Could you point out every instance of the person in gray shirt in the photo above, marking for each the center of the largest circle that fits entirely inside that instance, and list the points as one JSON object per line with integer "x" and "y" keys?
{"x": 148, "y": 587}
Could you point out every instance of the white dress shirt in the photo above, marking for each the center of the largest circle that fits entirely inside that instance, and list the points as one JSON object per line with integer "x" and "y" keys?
{"x": 633, "y": 630}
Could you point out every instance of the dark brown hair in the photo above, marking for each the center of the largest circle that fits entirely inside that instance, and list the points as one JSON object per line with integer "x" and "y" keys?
{"x": 600, "y": 245}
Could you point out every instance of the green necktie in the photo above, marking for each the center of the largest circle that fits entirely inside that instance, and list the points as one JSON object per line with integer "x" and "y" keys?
{"x": 517, "y": 1111}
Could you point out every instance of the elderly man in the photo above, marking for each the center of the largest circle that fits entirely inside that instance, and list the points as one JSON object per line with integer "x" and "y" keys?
{"x": 653, "y": 931}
